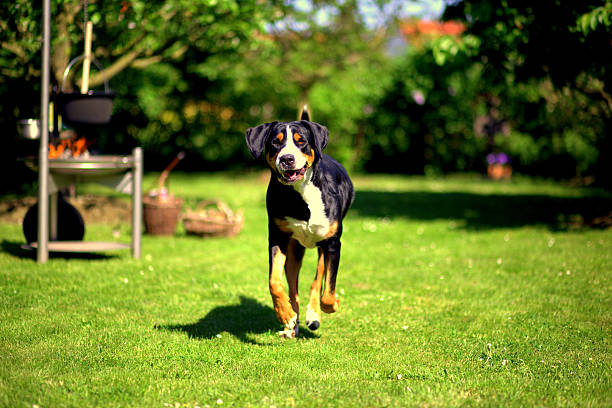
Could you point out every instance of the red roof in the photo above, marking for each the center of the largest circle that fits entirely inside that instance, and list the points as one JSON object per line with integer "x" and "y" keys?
{"x": 420, "y": 28}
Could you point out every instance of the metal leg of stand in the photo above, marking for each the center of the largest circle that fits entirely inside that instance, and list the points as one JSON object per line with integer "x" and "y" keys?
{"x": 53, "y": 208}
{"x": 42, "y": 254}
{"x": 137, "y": 202}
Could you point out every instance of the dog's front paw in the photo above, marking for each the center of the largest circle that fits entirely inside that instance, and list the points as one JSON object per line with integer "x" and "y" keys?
{"x": 313, "y": 320}
{"x": 292, "y": 328}
{"x": 330, "y": 303}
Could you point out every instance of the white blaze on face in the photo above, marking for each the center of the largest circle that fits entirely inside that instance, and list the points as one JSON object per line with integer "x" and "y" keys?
{"x": 292, "y": 149}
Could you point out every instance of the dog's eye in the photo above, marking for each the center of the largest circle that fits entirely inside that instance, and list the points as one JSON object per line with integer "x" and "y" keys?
{"x": 299, "y": 140}
{"x": 278, "y": 140}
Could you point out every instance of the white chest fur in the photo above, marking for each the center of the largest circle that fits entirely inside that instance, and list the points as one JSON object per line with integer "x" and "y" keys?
{"x": 317, "y": 227}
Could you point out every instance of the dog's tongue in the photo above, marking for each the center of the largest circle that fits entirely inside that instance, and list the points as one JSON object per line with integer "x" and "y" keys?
{"x": 293, "y": 175}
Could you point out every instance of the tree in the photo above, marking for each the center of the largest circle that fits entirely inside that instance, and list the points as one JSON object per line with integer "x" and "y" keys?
{"x": 132, "y": 34}
{"x": 330, "y": 57}
{"x": 194, "y": 74}
{"x": 159, "y": 57}
{"x": 423, "y": 122}
{"x": 550, "y": 63}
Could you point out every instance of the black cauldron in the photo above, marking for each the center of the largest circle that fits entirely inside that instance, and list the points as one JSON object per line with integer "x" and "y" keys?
{"x": 91, "y": 108}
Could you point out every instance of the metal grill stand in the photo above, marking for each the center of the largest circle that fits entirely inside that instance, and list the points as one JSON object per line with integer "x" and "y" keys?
{"x": 123, "y": 173}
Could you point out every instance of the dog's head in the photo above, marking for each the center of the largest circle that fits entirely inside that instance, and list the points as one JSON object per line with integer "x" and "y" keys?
{"x": 290, "y": 148}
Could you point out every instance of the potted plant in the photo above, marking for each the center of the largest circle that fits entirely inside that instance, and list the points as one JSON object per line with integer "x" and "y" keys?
{"x": 499, "y": 167}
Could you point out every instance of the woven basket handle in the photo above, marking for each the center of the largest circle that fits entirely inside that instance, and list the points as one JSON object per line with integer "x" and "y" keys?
{"x": 221, "y": 206}
{"x": 164, "y": 175}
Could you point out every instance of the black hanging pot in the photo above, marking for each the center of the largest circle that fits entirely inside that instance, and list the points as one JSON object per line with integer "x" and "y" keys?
{"x": 91, "y": 108}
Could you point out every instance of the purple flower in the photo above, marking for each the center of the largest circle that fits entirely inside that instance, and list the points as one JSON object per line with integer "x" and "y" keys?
{"x": 498, "y": 158}
{"x": 418, "y": 97}
{"x": 502, "y": 158}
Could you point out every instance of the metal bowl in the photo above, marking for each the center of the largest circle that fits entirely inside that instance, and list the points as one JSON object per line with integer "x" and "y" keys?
{"x": 102, "y": 165}
{"x": 29, "y": 128}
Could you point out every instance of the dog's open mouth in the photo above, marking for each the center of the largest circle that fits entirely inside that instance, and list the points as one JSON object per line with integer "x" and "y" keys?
{"x": 291, "y": 176}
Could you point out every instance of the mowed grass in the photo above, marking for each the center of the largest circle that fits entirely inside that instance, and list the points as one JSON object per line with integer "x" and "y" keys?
{"x": 454, "y": 292}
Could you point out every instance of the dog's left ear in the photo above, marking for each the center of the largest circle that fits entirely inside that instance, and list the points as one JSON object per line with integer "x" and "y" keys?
{"x": 319, "y": 133}
{"x": 256, "y": 138}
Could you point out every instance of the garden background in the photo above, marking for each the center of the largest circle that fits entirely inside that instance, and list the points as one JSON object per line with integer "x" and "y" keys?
{"x": 455, "y": 290}
{"x": 404, "y": 86}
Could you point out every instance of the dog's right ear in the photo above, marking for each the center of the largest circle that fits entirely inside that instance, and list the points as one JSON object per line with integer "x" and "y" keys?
{"x": 256, "y": 138}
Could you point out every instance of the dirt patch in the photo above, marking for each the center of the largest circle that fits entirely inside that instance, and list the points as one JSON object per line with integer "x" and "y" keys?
{"x": 93, "y": 209}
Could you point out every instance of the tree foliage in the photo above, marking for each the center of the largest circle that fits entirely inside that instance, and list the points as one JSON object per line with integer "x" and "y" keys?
{"x": 130, "y": 34}
{"x": 194, "y": 74}
{"x": 531, "y": 79}
{"x": 163, "y": 59}
{"x": 549, "y": 64}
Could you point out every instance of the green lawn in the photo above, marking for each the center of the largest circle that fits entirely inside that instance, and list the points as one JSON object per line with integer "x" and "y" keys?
{"x": 454, "y": 292}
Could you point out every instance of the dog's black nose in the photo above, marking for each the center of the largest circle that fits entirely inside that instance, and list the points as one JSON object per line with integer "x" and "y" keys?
{"x": 287, "y": 161}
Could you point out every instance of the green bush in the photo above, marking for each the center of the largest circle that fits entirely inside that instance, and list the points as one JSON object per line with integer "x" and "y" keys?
{"x": 424, "y": 122}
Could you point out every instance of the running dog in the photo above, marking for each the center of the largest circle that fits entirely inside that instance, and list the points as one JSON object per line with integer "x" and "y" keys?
{"x": 308, "y": 196}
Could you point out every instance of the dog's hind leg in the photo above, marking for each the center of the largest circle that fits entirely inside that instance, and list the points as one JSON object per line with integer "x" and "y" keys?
{"x": 329, "y": 300}
{"x": 282, "y": 306}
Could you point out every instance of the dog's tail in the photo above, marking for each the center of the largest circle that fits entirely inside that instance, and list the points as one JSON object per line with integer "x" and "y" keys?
{"x": 304, "y": 114}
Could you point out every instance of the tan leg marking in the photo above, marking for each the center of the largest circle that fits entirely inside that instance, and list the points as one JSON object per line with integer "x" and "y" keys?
{"x": 313, "y": 311}
{"x": 333, "y": 228}
{"x": 295, "y": 253}
{"x": 329, "y": 300}
{"x": 282, "y": 307}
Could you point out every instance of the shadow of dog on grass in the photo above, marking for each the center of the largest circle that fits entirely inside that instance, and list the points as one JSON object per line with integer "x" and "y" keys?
{"x": 243, "y": 320}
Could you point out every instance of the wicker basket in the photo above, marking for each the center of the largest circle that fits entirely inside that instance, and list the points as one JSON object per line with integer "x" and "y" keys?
{"x": 161, "y": 215}
{"x": 213, "y": 218}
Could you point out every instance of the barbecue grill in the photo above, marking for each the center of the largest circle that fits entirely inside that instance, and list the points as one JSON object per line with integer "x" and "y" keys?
{"x": 123, "y": 173}
{"x": 83, "y": 111}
